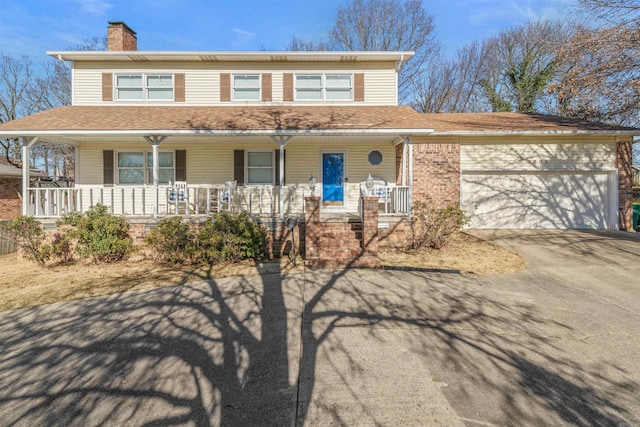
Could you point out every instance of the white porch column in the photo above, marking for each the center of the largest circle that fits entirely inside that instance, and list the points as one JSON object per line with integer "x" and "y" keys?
{"x": 155, "y": 142}
{"x": 404, "y": 164}
{"x": 25, "y": 172}
{"x": 282, "y": 142}
{"x": 408, "y": 145}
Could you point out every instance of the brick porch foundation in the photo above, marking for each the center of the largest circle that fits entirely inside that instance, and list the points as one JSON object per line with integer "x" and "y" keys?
{"x": 339, "y": 244}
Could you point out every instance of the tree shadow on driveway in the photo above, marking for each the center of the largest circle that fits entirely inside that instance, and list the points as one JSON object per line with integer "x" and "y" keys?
{"x": 260, "y": 350}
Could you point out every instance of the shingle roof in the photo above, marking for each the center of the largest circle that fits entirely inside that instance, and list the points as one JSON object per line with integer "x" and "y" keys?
{"x": 8, "y": 169}
{"x": 124, "y": 118}
{"x": 513, "y": 122}
{"x": 102, "y": 118}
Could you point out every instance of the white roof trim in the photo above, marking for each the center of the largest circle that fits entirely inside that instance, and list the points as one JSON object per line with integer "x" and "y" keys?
{"x": 214, "y": 132}
{"x": 532, "y": 132}
{"x": 281, "y": 56}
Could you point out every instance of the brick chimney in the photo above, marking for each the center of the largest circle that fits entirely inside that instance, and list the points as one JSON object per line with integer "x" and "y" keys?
{"x": 121, "y": 37}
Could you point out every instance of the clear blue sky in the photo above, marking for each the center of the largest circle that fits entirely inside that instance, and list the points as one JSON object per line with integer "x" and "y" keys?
{"x": 31, "y": 27}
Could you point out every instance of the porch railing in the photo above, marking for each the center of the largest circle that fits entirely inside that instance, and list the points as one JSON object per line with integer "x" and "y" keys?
{"x": 196, "y": 200}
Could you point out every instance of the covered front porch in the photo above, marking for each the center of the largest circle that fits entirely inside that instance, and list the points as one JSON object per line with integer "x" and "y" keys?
{"x": 192, "y": 200}
{"x": 159, "y": 161}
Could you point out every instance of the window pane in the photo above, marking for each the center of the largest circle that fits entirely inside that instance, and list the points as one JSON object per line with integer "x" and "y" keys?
{"x": 375, "y": 158}
{"x": 130, "y": 93}
{"x": 165, "y": 160}
{"x": 160, "y": 81}
{"x": 129, "y": 81}
{"x": 165, "y": 176}
{"x": 160, "y": 93}
{"x": 309, "y": 81}
{"x": 260, "y": 176}
{"x": 340, "y": 94}
{"x": 131, "y": 176}
{"x": 338, "y": 81}
{"x": 130, "y": 160}
{"x": 243, "y": 81}
{"x": 309, "y": 94}
{"x": 259, "y": 159}
{"x": 246, "y": 94}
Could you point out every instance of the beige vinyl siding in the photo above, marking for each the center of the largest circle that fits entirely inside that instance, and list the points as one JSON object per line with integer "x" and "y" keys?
{"x": 552, "y": 155}
{"x": 202, "y": 80}
{"x": 211, "y": 164}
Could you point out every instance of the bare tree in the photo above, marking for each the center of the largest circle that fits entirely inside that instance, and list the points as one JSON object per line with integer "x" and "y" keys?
{"x": 602, "y": 78}
{"x": 16, "y": 80}
{"x": 298, "y": 44}
{"x": 383, "y": 25}
{"x": 23, "y": 92}
{"x": 525, "y": 63}
{"x": 454, "y": 84}
{"x": 616, "y": 12}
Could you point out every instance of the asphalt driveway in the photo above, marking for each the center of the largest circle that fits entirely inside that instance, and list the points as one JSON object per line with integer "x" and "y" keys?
{"x": 555, "y": 344}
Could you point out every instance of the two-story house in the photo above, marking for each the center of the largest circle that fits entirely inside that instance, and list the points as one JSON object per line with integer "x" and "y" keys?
{"x": 159, "y": 132}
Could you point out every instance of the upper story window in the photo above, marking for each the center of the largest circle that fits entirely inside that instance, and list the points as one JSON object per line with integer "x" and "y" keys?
{"x": 324, "y": 87}
{"x": 144, "y": 87}
{"x": 246, "y": 87}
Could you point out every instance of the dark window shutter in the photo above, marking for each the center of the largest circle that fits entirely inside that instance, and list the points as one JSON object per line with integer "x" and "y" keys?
{"x": 287, "y": 87}
{"x": 238, "y": 166}
{"x": 266, "y": 87}
{"x": 107, "y": 86}
{"x": 358, "y": 87}
{"x": 181, "y": 165}
{"x": 225, "y": 87}
{"x": 178, "y": 89}
{"x": 278, "y": 165}
{"x": 107, "y": 167}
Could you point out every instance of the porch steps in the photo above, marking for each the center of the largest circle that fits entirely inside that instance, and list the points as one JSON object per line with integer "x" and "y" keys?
{"x": 340, "y": 245}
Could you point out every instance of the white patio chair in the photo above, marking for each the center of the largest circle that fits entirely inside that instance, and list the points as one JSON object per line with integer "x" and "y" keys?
{"x": 178, "y": 197}
{"x": 381, "y": 189}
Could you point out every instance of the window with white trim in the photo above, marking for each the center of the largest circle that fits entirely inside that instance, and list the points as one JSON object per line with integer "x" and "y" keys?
{"x": 133, "y": 169}
{"x": 324, "y": 87}
{"x": 144, "y": 87}
{"x": 260, "y": 167}
{"x": 246, "y": 87}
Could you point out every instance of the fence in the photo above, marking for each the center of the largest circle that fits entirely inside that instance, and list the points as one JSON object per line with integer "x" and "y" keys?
{"x": 7, "y": 245}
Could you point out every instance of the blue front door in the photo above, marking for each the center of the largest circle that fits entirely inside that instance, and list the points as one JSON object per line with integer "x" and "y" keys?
{"x": 332, "y": 179}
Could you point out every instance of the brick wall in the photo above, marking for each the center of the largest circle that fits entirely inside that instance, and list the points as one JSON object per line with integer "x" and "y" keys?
{"x": 397, "y": 236}
{"x": 338, "y": 244}
{"x": 283, "y": 240}
{"x": 436, "y": 174}
{"x": 624, "y": 160}
{"x": 10, "y": 188}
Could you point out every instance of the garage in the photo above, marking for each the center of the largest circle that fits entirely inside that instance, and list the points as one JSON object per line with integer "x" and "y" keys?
{"x": 543, "y": 186}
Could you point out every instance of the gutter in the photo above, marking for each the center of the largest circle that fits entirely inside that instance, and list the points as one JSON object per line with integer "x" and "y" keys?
{"x": 214, "y": 132}
{"x": 535, "y": 132}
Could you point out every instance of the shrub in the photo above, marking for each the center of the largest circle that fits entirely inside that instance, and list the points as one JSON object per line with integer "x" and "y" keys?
{"x": 230, "y": 238}
{"x": 434, "y": 227}
{"x": 30, "y": 236}
{"x": 171, "y": 241}
{"x": 99, "y": 235}
{"x": 62, "y": 245}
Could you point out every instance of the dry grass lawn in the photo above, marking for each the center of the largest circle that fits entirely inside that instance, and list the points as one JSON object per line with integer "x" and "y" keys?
{"x": 465, "y": 253}
{"x": 25, "y": 284}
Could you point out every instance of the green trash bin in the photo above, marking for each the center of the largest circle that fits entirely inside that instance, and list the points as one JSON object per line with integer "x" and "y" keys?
{"x": 636, "y": 215}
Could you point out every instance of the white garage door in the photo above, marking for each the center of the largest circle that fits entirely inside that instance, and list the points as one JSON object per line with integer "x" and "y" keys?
{"x": 556, "y": 200}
